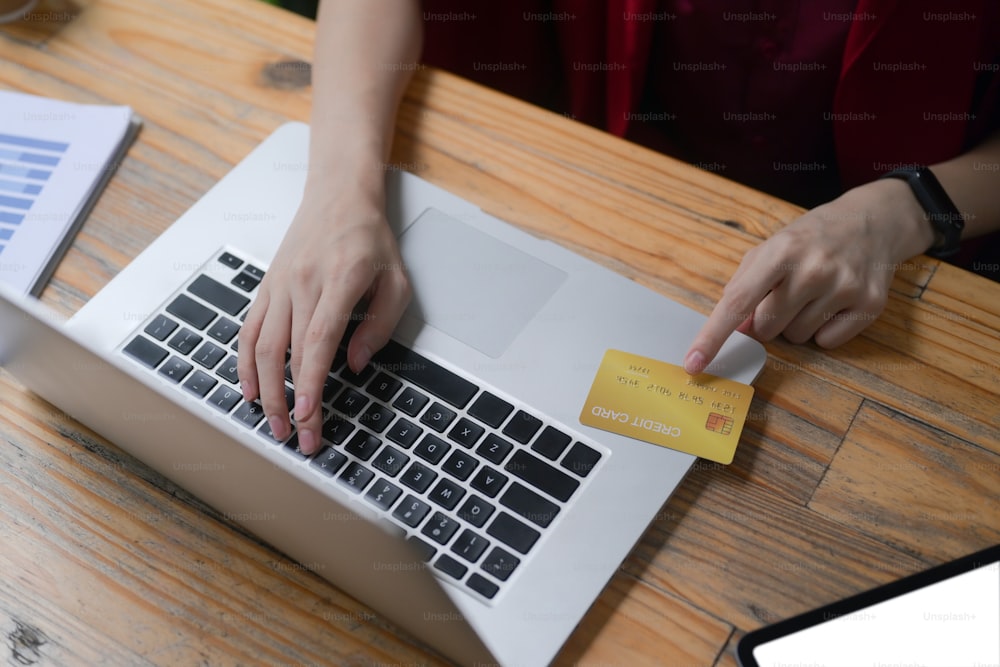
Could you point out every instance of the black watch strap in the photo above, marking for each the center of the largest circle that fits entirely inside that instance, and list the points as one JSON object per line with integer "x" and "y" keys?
{"x": 944, "y": 217}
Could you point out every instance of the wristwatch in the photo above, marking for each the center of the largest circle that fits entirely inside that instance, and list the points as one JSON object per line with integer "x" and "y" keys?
{"x": 938, "y": 207}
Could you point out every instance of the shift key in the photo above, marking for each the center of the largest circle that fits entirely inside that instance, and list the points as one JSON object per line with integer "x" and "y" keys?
{"x": 541, "y": 475}
{"x": 218, "y": 295}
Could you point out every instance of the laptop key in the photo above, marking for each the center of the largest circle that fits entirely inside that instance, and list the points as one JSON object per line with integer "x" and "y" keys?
{"x": 418, "y": 477}
{"x": 470, "y": 546}
{"x": 339, "y": 359}
{"x": 200, "y": 383}
{"x": 358, "y": 379}
{"x": 522, "y": 427}
{"x": 363, "y": 445}
{"x": 482, "y": 585}
{"x": 494, "y": 449}
{"x": 184, "y": 341}
{"x": 350, "y": 402}
{"x": 383, "y": 494}
{"x": 292, "y": 448}
{"x": 245, "y": 281}
{"x": 411, "y": 511}
{"x": 208, "y": 355}
{"x": 329, "y": 461}
{"x": 377, "y": 417}
{"x": 581, "y": 459}
{"x": 224, "y": 330}
{"x": 330, "y": 387}
{"x": 446, "y": 493}
{"x": 254, "y": 271}
{"x": 437, "y": 417}
{"x": 530, "y": 505}
{"x": 410, "y": 401}
{"x": 489, "y": 481}
{"x": 490, "y": 410}
{"x": 440, "y": 528}
{"x": 476, "y": 511}
{"x": 426, "y": 374}
{"x": 390, "y": 461}
{"x": 466, "y": 432}
{"x": 516, "y": 534}
{"x": 249, "y": 414}
{"x": 336, "y": 429}
{"x": 161, "y": 327}
{"x": 356, "y": 477}
{"x": 191, "y": 311}
{"x": 230, "y": 260}
{"x": 431, "y": 448}
{"x": 225, "y": 399}
{"x": 218, "y": 295}
{"x": 542, "y": 475}
{"x": 460, "y": 465}
{"x": 145, "y": 351}
{"x": 551, "y": 443}
{"x": 450, "y": 566}
{"x": 500, "y": 563}
{"x": 266, "y": 432}
{"x": 175, "y": 369}
{"x": 404, "y": 433}
{"x": 384, "y": 387}
{"x": 228, "y": 370}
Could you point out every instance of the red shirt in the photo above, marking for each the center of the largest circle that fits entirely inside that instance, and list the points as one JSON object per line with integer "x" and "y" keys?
{"x": 798, "y": 98}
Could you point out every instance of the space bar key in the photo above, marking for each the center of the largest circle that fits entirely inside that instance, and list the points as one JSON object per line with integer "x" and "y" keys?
{"x": 426, "y": 374}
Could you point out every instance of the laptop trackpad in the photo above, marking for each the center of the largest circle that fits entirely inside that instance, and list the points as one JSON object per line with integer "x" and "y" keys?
{"x": 471, "y": 285}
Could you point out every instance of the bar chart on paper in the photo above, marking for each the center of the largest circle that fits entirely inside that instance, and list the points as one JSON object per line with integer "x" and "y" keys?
{"x": 55, "y": 158}
{"x": 25, "y": 166}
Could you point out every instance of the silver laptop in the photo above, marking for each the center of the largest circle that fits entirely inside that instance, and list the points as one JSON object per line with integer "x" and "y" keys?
{"x": 457, "y": 492}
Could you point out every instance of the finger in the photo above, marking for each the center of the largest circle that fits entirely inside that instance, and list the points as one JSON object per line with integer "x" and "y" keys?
{"x": 305, "y": 298}
{"x": 386, "y": 307}
{"x": 246, "y": 364}
{"x": 815, "y": 315}
{"x": 799, "y": 292}
{"x": 739, "y": 300}
{"x": 319, "y": 345}
{"x": 269, "y": 353}
{"x": 843, "y": 325}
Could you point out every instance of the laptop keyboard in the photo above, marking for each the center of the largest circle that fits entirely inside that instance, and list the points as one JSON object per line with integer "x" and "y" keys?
{"x": 473, "y": 480}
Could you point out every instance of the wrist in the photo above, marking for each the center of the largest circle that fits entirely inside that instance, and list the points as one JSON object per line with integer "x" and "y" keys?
{"x": 339, "y": 166}
{"x": 939, "y": 210}
{"x": 894, "y": 212}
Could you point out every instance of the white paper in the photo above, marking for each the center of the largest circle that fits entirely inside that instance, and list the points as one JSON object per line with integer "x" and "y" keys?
{"x": 53, "y": 155}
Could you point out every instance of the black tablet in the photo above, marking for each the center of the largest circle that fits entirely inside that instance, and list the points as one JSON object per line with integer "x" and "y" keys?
{"x": 948, "y": 616}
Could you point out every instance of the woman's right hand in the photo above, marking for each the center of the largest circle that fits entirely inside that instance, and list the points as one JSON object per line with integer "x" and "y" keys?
{"x": 338, "y": 251}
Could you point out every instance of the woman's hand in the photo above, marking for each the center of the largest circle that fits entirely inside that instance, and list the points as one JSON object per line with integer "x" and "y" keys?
{"x": 824, "y": 277}
{"x": 336, "y": 253}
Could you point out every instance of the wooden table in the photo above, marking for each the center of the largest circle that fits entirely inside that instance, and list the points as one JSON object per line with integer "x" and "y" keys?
{"x": 857, "y": 466}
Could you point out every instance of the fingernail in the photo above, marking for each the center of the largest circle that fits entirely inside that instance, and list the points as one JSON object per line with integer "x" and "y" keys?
{"x": 364, "y": 355}
{"x": 307, "y": 441}
{"x": 277, "y": 427}
{"x": 301, "y": 406}
{"x": 694, "y": 362}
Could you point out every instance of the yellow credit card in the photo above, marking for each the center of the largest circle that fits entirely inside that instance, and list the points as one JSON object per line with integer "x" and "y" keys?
{"x": 660, "y": 403}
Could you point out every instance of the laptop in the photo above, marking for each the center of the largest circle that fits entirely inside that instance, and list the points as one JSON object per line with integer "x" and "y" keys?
{"x": 457, "y": 492}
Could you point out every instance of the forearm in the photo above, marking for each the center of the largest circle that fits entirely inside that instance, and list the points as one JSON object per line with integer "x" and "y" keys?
{"x": 892, "y": 212}
{"x": 972, "y": 180}
{"x": 366, "y": 51}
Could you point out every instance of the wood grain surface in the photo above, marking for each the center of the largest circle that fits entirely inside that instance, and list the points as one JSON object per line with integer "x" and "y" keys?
{"x": 857, "y": 466}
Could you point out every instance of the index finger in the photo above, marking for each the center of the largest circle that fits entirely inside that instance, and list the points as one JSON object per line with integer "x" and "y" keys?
{"x": 741, "y": 296}
{"x": 323, "y": 333}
